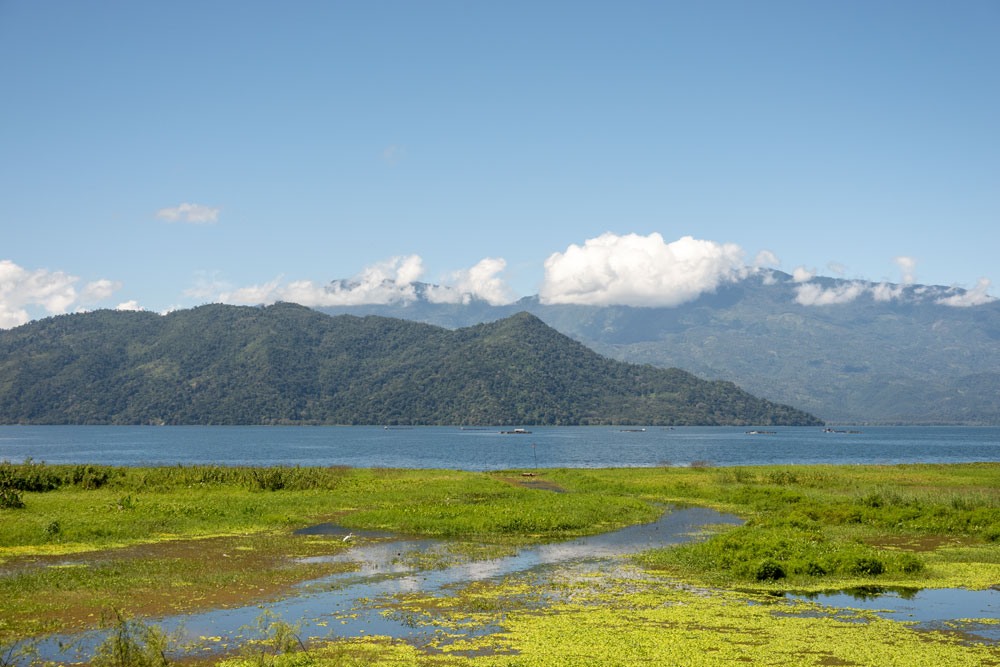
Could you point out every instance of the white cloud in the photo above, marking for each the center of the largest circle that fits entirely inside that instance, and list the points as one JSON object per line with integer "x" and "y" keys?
{"x": 801, "y": 274}
{"x": 99, "y": 290}
{"x": 391, "y": 281}
{"x": 639, "y": 271}
{"x": 206, "y": 285}
{"x": 129, "y": 305}
{"x": 479, "y": 282}
{"x": 20, "y": 289}
{"x": 386, "y": 282}
{"x": 887, "y": 292}
{"x": 906, "y": 266}
{"x": 976, "y": 296}
{"x": 837, "y": 268}
{"x": 193, "y": 213}
{"x": 766, "y": 258}
{"x": 813, "y": 294}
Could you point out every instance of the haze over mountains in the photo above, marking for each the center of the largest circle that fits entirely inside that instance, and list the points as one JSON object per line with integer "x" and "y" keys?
{"x": 848, "y": 351}
{"x": 287, "y": 364}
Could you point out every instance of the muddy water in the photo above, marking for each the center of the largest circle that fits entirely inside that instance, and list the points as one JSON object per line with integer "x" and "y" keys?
{"x": 339, "y": 605}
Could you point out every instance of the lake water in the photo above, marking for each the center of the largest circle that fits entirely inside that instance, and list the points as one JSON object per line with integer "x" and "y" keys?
{"x": 488, "y": 449}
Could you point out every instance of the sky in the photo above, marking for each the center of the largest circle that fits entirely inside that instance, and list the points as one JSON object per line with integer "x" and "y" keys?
{"x": 165, "y": 155}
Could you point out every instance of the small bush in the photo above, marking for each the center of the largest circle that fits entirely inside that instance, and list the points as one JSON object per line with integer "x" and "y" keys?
{"x": 910, "y": 563}
{"x": 866, "y": 565}
{"x": 88, "y": 477}
{"x": 28, "y": 476}
{"x": 269, "y": 637}
{"x": 10, "y": 499}
{"x": 769, "y": 570}
{"x": 132, "y": 643}
{"x": 814, "y": 569}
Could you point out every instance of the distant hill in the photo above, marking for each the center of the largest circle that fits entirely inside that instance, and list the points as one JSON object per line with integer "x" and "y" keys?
{"x": 285, "y": 364}
{"x": 906, "y": 360}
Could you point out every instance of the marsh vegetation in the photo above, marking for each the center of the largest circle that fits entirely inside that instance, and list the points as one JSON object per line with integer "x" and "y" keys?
{"x": 147, "y": 542}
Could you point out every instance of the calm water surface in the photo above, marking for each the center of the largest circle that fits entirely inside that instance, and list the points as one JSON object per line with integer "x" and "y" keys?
{"x": 454, "y": 448}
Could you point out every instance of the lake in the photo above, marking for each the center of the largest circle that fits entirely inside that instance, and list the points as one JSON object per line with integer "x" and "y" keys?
{"x": 487, "y": 449}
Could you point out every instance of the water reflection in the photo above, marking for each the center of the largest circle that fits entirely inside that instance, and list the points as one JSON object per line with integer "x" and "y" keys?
{"x": 341, "y": 605}
{"x": 929, "y": 608}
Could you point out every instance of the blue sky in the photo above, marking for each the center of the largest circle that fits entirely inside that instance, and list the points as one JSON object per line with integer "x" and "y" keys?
{"x": 312, "y": 141}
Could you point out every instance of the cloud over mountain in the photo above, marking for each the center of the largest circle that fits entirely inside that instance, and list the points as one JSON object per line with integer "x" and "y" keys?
{"x": 479, "y": 282}
{"x": 387, "y": 282}
{"x": 52, "y": 291}
{"x": 639, "y": 271}
{"x": 813, "y": 294}
{"x": 976, "y": 296}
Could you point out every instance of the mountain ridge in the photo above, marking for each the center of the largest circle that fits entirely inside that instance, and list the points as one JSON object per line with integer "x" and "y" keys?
{"x": 285, "y": 363}
{"x": 904, "y": 359}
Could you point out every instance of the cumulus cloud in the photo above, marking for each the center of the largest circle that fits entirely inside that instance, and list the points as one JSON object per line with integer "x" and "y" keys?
{"x": 129, "y": 305}
{"x": 976, "y": 296}
{"x": 801, "y": 274}
{"x": 813, "y": 294}
{"x": 193, "y": 213}
{"x": 20, "y": 289}
{"x": 639, "y": 271}
{"x": 837, "y": 268}
{"x": 906, "y": 266}
{"x": 479, "y": 282}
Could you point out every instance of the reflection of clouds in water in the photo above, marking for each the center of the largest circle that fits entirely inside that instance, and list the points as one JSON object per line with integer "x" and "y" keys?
{"x": 408, "y": 584}
{"x": 383, "y": 570}
{"x": 480, "y": 569}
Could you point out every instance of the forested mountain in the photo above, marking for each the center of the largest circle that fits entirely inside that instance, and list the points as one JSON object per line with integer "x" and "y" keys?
{"x": 286, "y": 364}
{"x": 906, "y": 359}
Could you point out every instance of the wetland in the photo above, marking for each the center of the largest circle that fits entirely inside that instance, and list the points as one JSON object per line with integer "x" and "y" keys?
{"x": 336, "y": 565}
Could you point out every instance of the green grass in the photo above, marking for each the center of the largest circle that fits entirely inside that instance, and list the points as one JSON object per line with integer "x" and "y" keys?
{"x": 174, "y": 539}
{"x": 824, "y": 526}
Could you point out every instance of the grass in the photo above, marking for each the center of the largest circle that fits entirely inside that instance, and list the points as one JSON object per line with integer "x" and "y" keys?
{"x": 175, "y": 539}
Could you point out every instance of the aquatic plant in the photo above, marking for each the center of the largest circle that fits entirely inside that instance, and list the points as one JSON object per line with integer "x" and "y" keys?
{"x": 269, "y": 637}
{"x": 131, "y": 642}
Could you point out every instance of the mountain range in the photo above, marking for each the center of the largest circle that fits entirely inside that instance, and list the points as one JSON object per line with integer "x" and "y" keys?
{"x": 287, "y": 364}
{"x": 851, "y": 352}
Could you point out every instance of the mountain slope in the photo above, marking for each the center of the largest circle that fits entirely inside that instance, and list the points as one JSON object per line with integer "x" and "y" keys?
{"x": 288, "y": 364}
{"x": 910, "y": 359}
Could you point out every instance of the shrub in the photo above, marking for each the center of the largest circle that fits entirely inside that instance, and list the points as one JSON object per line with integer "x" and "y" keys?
{"x": 28, "y": 476}
{"x": 132, "y": 643}
{"x": 269, "y": 637}
{"x": 769, "y": 570}
{"x": 88, "y": 477}
{"x": 866, "y": 565}
{"x": 910, "y": 563}
{"x": 53, "y": 529}
{"x": 10, "y": 499}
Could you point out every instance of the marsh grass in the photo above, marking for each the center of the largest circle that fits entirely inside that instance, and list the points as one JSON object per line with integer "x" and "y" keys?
{"x": 168, "y": 539}
{"x": 819, "y": 525}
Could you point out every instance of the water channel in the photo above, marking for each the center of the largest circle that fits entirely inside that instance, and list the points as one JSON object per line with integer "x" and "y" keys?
{"x": 346, "y": 604}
